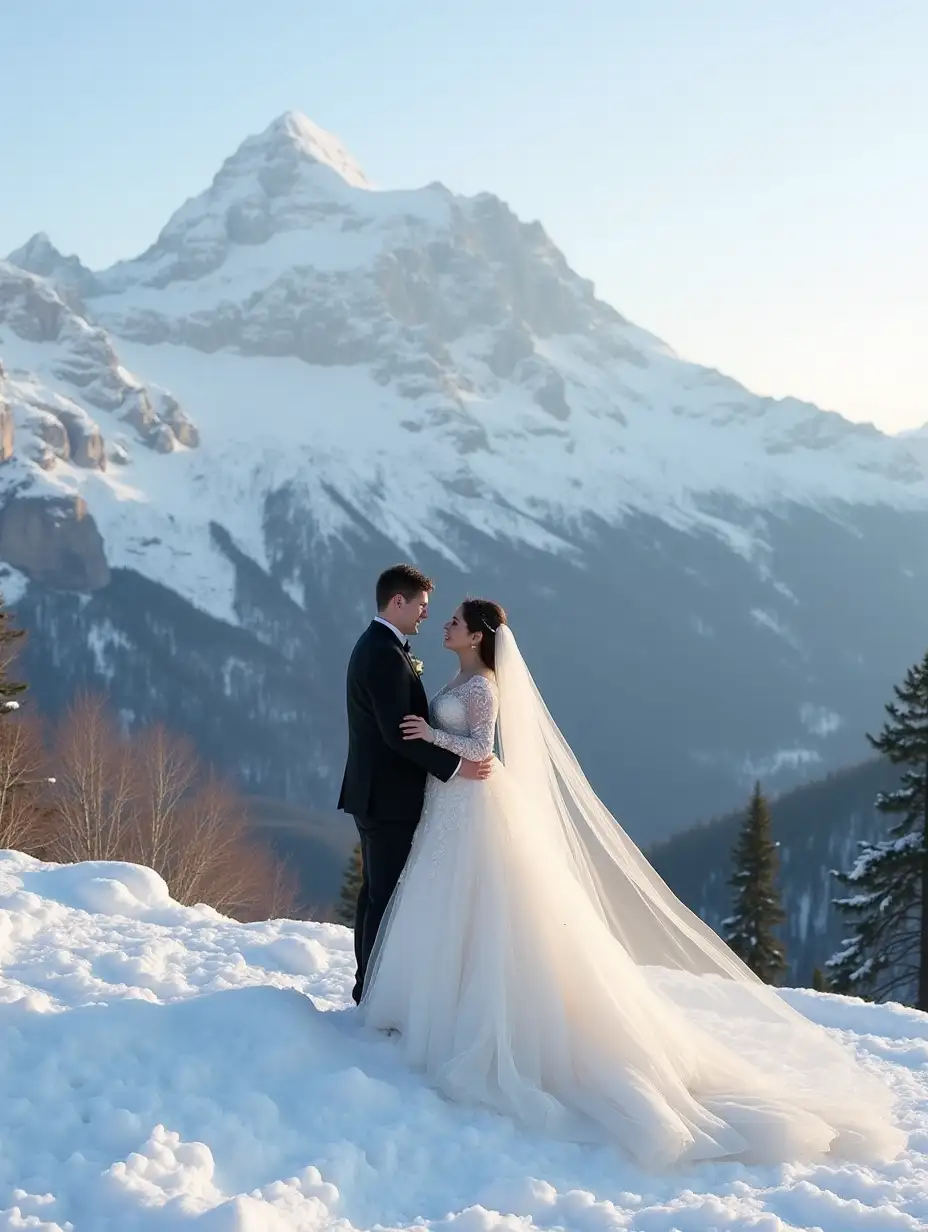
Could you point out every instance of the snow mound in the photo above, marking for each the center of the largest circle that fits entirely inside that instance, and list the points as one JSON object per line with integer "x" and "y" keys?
{"x": 103, "y": 887}
{"x": 162, "y": 1067}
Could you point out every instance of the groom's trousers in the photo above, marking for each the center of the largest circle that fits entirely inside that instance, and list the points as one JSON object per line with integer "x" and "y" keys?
{"x": 385, "y": 848}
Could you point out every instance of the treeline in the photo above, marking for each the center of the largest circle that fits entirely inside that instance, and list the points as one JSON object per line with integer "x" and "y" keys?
{"x": 83, "y": 789}
{"x": 882, "y": 897}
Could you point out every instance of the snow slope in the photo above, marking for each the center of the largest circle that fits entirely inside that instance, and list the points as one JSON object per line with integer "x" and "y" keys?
{"x": 347, "y": 442}
{"x": 162, "y": 1067}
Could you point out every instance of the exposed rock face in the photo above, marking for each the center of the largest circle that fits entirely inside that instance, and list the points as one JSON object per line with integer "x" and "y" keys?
{"x": 161, "y": 439}
{"x": 53, "y": 541}
{"x": 159, "y": 420}
{"x": 50, "y": 433}
{"x": 547, "y": 387}
{"x": 174, "y": 416}
{"x": 138, "y": 411}
{"x": 85, "y": 441}
{"x": 83, "y": 360}
{"x": 30, "y": 307}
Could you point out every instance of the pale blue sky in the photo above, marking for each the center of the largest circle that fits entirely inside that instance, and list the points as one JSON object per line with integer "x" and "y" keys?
{"x": 747, "y": 179}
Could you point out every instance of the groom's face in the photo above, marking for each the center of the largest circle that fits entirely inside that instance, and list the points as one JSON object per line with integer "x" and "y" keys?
{"x": 410, "y": 613}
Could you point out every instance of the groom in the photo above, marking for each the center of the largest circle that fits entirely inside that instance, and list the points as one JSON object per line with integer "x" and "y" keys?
{"x": 384, "y": 783}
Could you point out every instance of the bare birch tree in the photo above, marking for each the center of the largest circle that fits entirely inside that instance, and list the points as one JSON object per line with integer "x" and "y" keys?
{"x": 23, "y": 786}
{"x": 146, "y": 799}
{"x": 166, "y": 772}
{"x": 95, "y": 793}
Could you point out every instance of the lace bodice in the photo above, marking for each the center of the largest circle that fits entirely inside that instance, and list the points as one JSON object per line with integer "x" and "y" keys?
{"x": 463, "y": 717}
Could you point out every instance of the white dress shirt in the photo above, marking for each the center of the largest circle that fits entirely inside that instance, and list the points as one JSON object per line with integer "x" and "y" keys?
{"x": 393, "y": 629}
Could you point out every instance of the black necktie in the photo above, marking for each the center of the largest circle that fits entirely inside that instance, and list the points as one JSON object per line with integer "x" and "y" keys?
{"x": 406, "y": 647}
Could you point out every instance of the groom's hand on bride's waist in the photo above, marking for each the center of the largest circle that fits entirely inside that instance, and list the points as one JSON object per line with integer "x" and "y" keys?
{"x": 476, "y": 770}
{"x": 414, "y": 727}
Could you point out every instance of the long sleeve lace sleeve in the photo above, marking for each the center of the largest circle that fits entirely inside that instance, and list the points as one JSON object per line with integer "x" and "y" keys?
{"x": 479, "y": 696}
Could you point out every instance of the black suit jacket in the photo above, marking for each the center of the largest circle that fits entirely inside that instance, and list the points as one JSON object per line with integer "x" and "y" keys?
{"x": 385, "y": 774}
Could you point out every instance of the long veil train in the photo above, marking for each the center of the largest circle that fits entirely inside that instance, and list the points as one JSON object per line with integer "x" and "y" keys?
{"x": 688, "y": 962}
{"x": 533, "y": 961}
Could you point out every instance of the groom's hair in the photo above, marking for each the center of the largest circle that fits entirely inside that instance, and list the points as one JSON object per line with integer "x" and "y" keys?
{"x": 405, "y": 580}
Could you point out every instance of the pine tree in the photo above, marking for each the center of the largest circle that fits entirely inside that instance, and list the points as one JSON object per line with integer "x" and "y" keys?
{"x": 886, "y": 955}
{"x": 749, "y": 930}
{"x": 10, "y": 645}
{"x": 351, "y": 886}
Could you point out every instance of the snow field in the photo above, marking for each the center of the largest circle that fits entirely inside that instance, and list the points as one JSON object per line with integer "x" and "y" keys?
{"x": 163, "y": 1067}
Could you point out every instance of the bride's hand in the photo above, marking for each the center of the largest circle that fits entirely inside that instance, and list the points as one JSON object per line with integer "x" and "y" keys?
{"x": 414, "y": 728}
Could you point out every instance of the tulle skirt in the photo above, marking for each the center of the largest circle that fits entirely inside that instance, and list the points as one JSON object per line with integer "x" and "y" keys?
{"x": 508, "y": 989}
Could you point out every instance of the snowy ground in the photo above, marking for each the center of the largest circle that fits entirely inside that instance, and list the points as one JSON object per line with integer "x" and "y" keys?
{"x": 162, "y": 1067}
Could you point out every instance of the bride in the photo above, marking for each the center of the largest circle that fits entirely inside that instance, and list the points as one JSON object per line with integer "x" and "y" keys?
{"x": 533, "y": 961}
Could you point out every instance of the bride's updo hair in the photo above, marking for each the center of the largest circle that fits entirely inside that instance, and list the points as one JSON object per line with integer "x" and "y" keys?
{"x": 486, "y": 617}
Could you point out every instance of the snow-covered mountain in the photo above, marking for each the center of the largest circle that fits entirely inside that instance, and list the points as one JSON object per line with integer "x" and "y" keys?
{"x": 220, "y": 442}
{"x": 163, "y": 1067}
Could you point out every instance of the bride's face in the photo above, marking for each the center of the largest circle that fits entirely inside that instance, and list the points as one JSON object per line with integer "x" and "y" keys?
{"x": 457, "y": 634}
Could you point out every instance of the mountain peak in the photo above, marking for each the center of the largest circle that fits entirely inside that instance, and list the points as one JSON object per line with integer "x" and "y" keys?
{"x": 37, "y": 251}
{"x": 285, "y": 179}
{"x": 69, "y": 276}
{"x": 294, "y": 132}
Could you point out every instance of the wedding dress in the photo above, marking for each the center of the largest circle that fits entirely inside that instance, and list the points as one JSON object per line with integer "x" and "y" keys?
{"x": 533, "y": 961}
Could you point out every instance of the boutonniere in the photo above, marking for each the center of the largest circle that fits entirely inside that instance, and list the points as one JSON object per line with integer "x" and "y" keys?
{"x": 417, "y": 665}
